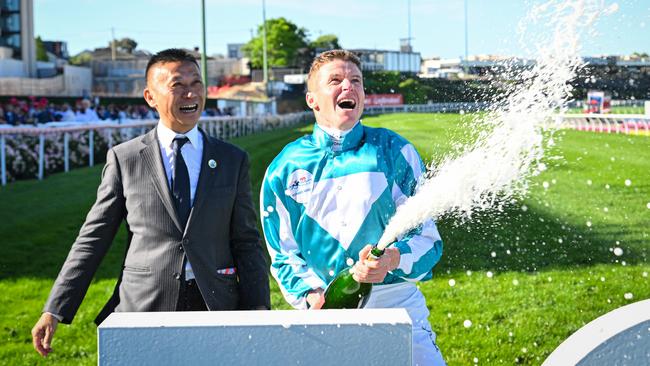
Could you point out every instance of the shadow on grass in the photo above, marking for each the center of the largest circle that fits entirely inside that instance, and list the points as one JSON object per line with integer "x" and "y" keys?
{"x": 532, "y": 240}
{"x": 521, "y": 241}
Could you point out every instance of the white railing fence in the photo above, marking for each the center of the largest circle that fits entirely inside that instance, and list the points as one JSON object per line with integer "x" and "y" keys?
{"x": 637, "y": 124}
{"x": 31, "y": 152}
{"x": 428, "y": 108}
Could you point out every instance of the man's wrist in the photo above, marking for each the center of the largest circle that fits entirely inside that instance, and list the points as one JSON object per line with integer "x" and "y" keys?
{"x": 55, "y": 316}
{"x": 309, "y": 298}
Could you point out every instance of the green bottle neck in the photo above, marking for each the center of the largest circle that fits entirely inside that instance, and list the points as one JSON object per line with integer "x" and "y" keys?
{"x": 375, "y": 253}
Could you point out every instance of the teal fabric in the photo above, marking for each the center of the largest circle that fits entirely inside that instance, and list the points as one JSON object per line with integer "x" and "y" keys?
{"x": 298, "y": 196}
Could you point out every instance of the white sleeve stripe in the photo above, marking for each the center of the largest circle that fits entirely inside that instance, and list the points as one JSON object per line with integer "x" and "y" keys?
{"x": 420, "y": 245}
{"x": 416, "y": 279}
{"x": 299, "y": 303}
{"x": 288, "y": 249}
{"x": 262, "y": 209}
{"x": 287, "y": 241}
{"x": 412, "y": 157}
{"x": 430, "y": 230}
{"x": 398, "y": 196}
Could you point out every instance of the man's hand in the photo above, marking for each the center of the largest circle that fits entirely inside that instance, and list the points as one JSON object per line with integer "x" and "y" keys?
{"x": 375, "y": 271}
{"x": 316, "y": 299}
{"x": 43, "y": 332}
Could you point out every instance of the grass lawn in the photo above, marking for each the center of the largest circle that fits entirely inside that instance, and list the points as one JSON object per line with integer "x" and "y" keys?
{"x": 526, "y": 278}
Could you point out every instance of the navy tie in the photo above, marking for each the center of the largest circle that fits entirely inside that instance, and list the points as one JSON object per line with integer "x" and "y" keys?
{"x": 181, "y": 181}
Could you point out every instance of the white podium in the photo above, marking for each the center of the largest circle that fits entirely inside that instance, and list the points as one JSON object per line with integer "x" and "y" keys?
{"x": 618, "y": 338}
{"x": 277, "y": 337}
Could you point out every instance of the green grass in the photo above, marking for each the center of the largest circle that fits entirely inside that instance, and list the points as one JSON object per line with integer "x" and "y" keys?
{"x": 553, "y": 269}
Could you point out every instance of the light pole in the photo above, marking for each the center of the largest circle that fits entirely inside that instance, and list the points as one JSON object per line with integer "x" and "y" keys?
{"x": 466, "y": 36}
{"x": 204, "y": 61}
{"x": 409, "y": 39}
{"x": 265, "y": 64}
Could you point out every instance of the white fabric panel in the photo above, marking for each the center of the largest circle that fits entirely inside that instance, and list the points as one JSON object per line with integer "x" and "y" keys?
{"x": 289, "y": 248}
{"x": 287, "y": 241}
{"x": 412, "y": 157}
{"x": 297, "y": 302}
{"x": 340, "y": 205}
{"x": 420, "y": 245}
{"x": 398, "y": 196}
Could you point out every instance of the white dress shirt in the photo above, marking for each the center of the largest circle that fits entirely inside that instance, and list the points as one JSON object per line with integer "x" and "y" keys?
{"x": 336, "y": 135}
{"x": 192, "y": 154}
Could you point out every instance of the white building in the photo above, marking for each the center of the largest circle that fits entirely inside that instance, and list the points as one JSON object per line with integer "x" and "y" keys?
{"x": 383, "y": 60}
{"x": 17, "y": 38}
{"x": 20, "y": 73}
{"x": 436, "y": 67}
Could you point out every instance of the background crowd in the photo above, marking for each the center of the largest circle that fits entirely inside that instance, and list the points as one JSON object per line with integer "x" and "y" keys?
{"x": 33, "y": 111}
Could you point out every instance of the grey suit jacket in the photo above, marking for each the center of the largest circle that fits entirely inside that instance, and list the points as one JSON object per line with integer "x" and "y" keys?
{"x": 220, "y": 233}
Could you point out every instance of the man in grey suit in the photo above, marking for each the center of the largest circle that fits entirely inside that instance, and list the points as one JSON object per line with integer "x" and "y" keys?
{"x": 186, "y": 200}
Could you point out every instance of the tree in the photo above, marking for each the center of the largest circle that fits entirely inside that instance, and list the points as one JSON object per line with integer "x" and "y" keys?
{"x": 285, "y": 43}
{"x": 324, "y": 43}
{"x": 41, "y": 53}
{"x": 382, "y": 82}
{"x": 413, "y": 91}
{"x": 82, "y": 59}
{"x": 126, "y": 44}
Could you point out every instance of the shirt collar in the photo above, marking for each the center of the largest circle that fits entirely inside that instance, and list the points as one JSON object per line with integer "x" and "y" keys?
{"x": 345, "y": 140}
{"x": 166, "y": 135}
{"x": 335, "y": 132}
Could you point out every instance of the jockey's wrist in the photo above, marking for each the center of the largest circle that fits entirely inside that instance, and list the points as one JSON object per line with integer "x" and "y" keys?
{"x": 394, "y": 257}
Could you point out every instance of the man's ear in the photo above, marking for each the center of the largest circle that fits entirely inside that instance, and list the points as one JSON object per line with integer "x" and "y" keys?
{"x": 311, "y": 102}
{"x": 149, "y": 98}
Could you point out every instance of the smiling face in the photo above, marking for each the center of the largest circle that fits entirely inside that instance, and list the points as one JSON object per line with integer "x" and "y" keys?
{"x": 176, "y": 91}
{"x": 336, "y": 95}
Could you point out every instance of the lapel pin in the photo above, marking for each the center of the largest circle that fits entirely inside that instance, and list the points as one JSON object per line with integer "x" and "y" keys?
{"x": 212, "y": 164}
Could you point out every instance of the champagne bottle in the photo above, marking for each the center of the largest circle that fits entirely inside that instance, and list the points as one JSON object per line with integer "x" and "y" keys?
{"x": 346, "y": 293}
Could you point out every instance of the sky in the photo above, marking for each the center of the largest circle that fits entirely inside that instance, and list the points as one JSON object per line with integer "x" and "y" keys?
{"x": 437, "y": 26}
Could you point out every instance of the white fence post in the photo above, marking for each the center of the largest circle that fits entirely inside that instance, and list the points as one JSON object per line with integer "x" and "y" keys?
{"x": 41, "y": 155}
{"x": 91, "y": 147}
{"x": 229, "y": 127}
{"x": 109, "y": 137}
{"x": 66, "y": 152}
{"x": 3, "y": 162}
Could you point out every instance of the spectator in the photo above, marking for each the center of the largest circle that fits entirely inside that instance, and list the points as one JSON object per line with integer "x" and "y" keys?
{"x": 86, "y": 113}
{"x": 40, "y": 110}
{"x": 122, "y": 115}
{"x": 21, "y": 115}
{"x": 66, "y": 114}
{"x": 42, "y": 114}
{"x": 10, "y": 116}
{"x": 102, "y": 113}
{"x": 112, "y": 112}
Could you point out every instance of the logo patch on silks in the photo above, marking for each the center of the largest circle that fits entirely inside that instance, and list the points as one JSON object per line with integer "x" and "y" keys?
{"x": 299, "y": 185}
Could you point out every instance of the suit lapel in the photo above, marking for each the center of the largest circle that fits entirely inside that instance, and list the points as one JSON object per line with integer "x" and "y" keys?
{"x": 153, "y": 161}
{"x": 207, "y": 176}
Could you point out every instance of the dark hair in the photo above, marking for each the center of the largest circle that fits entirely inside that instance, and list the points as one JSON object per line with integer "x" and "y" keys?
{"x": 329, "y": 56}
{"x": 169, "y": 55}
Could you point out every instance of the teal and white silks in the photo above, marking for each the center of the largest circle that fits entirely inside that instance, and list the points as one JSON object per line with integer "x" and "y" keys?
{"x": 323, "y": 200}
